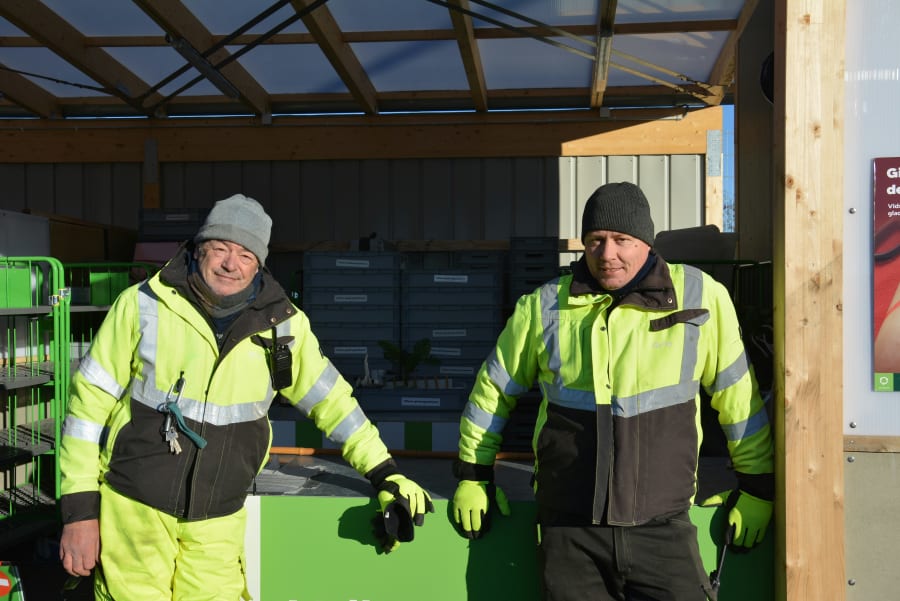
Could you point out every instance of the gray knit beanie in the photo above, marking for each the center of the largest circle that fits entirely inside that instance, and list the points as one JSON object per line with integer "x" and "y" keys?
{"x": 239, "y": 219}
{"x": 618, "y": 207}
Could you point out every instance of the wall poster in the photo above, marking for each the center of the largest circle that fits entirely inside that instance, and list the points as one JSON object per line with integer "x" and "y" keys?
{"x": 886, "y": 273}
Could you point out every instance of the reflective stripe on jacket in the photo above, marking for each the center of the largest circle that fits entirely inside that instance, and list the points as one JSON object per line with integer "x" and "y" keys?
{"x": 618, "y": 430}
{"x": 154, "y": 335}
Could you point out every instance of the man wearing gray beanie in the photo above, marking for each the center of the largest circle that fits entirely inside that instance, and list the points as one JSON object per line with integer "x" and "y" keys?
{"x": 167, "y": 422}
{"x": 620, "y": 349}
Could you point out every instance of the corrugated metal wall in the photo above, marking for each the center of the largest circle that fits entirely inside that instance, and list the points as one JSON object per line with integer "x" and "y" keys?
{"x": 403, "y": 199}
{"x": 674, "y": 185}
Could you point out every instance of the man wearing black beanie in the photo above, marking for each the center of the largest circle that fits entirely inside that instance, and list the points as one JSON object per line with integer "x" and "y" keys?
{"x": 620, "y": 349}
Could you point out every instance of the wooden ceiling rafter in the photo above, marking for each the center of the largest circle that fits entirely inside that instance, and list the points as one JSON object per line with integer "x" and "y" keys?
{"x": 463, "y": 29}
{"x": 22, "y": 91}
{"x": 41, "y": 23}
{"x": 606, "y": 19}
{"x": 411, "y": 35}
{"x": 722, "y": 73}
{"x": 327, "y": 34}
{"x": 177, "y": 20}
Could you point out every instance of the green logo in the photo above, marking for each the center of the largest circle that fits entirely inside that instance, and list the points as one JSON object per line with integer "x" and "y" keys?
{"x": 884, "y": 382}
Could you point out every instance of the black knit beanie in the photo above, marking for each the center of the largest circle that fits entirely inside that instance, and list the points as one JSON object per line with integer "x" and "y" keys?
{"x": 618, "y": 207}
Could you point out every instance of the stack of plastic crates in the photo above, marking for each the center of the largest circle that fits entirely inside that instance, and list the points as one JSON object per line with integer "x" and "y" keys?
{"x": 532, "y": 262}
{"x": 352, "y": 301}
{"x": 34, "y": 378}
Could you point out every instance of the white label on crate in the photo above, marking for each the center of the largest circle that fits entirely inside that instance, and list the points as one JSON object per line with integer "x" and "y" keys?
{"x": 350, "y": 350}
{"x": 356, "y": 263}
{"x": 458, "y": 371}
{"x": 450, "y": 279}
{"x": 351, "y": 298}
{"x": 412, "y": 401}
{"x": 457, "y": 333}
{"x": 444, "y": 351}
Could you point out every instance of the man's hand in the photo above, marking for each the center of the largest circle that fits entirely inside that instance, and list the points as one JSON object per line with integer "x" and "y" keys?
{"x": 748, "y": 516}
{"x": 79, "y": 547}
{"x": 402, "y": 504}
{"x": 472, "y": 506}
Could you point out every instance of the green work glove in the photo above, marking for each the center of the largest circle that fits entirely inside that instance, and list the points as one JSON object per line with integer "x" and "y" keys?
{"x": 472, "y": 506}
{"x": 402, "y": 504}
{"x": 748, "y": 516}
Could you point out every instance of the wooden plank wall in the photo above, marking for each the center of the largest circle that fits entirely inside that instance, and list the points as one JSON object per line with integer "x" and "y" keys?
{"x": 418, "y": 199}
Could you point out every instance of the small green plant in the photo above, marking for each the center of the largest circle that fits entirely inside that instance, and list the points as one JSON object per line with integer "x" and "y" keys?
{"x": 406, "y": 362}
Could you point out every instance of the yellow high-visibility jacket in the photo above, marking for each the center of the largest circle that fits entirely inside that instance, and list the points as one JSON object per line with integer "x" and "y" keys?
{"x": 155, "y": 336}
{"x": 618, "y": 431}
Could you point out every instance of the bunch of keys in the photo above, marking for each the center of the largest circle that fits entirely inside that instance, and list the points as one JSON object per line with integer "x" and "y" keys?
{"x": 170, "y": 434}
{"x": 168, "y": 431}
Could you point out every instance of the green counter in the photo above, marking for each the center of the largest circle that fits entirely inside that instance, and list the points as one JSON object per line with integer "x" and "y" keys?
{"x": 309, "y": 538}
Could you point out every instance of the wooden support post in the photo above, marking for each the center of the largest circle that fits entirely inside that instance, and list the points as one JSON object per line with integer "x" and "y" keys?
{"x": 808, "y": 227}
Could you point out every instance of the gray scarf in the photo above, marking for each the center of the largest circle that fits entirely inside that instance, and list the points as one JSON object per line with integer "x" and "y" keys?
{"x": 217, "y": 306}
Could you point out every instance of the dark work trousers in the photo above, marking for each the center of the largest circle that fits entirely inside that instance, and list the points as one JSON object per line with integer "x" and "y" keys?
{"x": 653, "y": 562}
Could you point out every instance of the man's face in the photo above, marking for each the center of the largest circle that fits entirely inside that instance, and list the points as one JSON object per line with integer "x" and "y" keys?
{"x": 614, "y": 258}
{"x": 226, "y": 267}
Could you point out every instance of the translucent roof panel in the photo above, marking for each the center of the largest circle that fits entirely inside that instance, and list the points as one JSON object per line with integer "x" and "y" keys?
{"x": 7, "y": 28}
{"x": 58, "y": 77}
{"x": 291, "y": 68}
{"x": 389, "y": 15}
{"x": 155, "y": 63}
{"x": 526, "y": 63}
{"x": 533, "y": 54}
{"x": 397, "y": 66}
{"x": 104, "y": 17}
{"x": 637, "y": 11}
{"x": 550, "y": 12}
{"x": 225, "y": 17}
{"x": 691, "y": 54}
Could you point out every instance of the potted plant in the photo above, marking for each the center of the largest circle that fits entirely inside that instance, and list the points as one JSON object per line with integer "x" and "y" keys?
{"x": 406, "y": 362}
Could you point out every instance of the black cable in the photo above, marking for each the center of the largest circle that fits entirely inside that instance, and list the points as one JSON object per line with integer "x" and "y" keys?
{"x": 232, "y": 57}
{"x": 218, "y": 45}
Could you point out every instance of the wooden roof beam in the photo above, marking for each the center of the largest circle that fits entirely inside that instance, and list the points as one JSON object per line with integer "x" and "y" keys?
{"x": 54, "y": 32}
{"x": 403, "y": 35}
{"x": 468, "y": 50}
{"x": 325, "y": 30}
{"x": 722, "y": 73}
{"x": 176, "y": 20}
{"x": 606, "y": 18}
{"x": 33, "y": 98}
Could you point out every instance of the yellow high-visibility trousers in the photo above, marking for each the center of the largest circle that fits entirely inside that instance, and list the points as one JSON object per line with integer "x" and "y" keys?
{"x": 148, "y": 555}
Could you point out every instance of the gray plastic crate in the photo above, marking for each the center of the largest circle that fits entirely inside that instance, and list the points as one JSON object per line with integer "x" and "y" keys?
{"x": 351, "y": 262}
{"x": 362, "y": 333}
{"x": 332, "y": 279}
{"x": 359, "y": 297}
{"x": 451, "y": 287}
{"x": 461, "y": 351}
{"x": 474, "y": 259}
{"x": 462, "y": 371}
{"x": 374, "y": 400}
{"x": 440, "y": 333}
{"x": 450, "y": 279}
{"x": 534, "y": 243}
{"x": 351, "y": 314}
{"x": 428, "y": 315}
{"x": 170, "y": 225}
